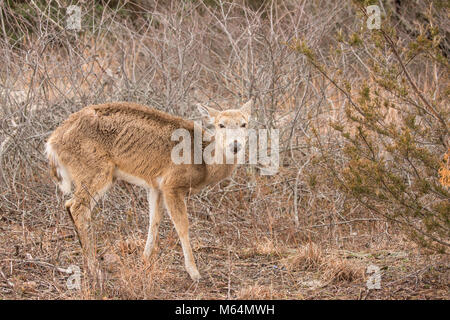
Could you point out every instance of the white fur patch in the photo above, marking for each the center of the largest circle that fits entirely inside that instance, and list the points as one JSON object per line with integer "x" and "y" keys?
{"x": 160, "y": 181}
{"x": 66, "y": 181}
{"x": 121, "y": 175}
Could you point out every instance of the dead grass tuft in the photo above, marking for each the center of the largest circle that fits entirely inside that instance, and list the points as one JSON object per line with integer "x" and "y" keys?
{"x": 337, "y": 269}
{"x": 307, "y": 258}
{"x": 331, "y": 267}
{"x": 256, "y": 292}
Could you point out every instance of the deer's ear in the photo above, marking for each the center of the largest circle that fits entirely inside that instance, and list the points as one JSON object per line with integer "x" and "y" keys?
{"x": 207, "y": 113}
{"x": 247, "y": 108}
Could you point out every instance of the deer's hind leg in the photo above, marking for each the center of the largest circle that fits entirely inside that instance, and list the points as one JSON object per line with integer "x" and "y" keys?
{"x": 154, "y": 203}
{"x": 90, "y": 185}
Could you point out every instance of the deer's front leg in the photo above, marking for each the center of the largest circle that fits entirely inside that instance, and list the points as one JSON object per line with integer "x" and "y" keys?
{"x": 176, "y": 207}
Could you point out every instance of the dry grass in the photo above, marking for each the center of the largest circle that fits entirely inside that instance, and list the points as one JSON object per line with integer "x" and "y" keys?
{"x": 243, "y": 230}
{"x": 232, "y": 267}
{"x": 330, "y": 268}
{"x": 257, "y": 292}
{"x": 306, "y": 258}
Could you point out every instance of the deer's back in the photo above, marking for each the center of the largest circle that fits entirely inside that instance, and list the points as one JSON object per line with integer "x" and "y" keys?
{"x": 136, "y": 138}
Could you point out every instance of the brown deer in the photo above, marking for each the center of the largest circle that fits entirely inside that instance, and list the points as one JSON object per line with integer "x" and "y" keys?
{"x": 102, "y": 143}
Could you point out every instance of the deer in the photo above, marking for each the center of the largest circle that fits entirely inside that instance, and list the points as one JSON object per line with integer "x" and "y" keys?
{"x": 100, "y": 144}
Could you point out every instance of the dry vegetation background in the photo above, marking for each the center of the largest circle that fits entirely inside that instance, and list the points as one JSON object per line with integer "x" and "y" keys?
{"x": 294, "y": 235}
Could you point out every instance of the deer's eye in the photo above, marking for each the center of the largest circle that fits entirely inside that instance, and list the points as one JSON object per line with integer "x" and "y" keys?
{"x": 221, "y": 126}
{"x": 243, "y": 125}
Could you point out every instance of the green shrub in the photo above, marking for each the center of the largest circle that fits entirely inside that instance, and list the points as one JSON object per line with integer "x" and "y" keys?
{"x": 395, "y": 133}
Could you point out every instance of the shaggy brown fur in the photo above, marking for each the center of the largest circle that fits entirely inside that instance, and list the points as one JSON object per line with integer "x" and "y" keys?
{"x": 102, "y": 143}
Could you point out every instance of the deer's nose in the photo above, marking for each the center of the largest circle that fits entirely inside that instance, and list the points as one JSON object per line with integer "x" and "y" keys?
{"x": 235, "y": 147}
